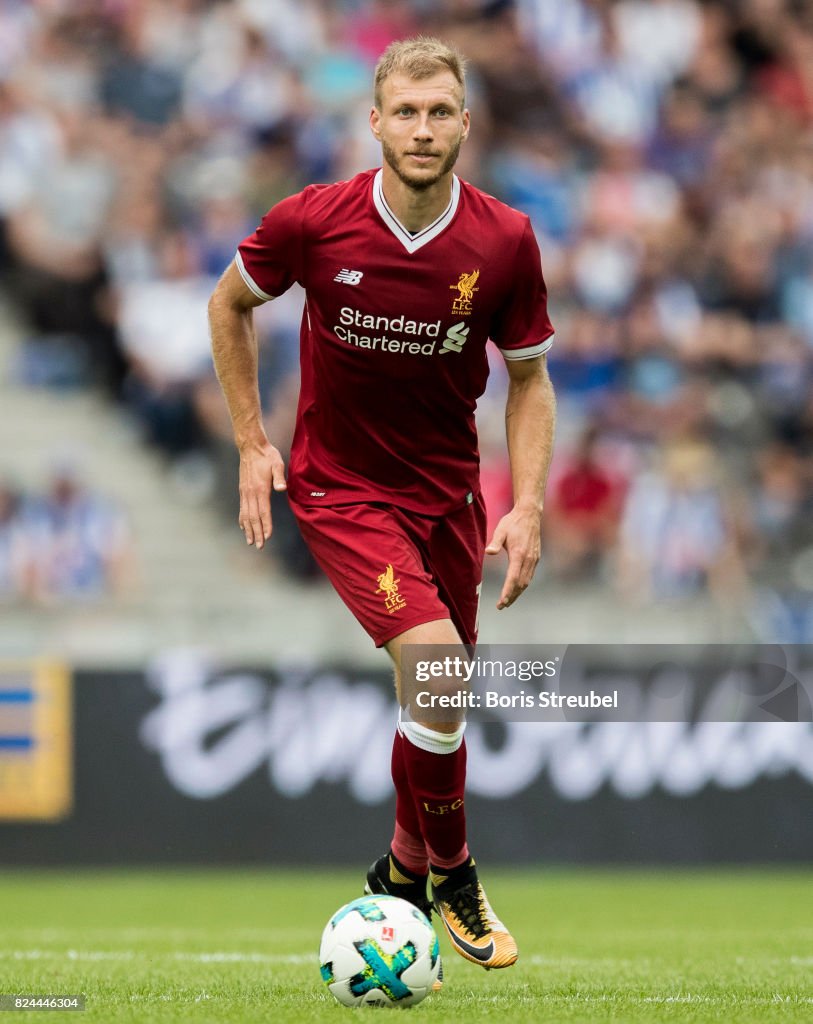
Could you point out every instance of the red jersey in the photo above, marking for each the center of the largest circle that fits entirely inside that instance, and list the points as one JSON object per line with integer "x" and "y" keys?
{"x": 393, "y": 336}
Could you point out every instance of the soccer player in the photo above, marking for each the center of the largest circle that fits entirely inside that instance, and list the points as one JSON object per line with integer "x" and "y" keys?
{"x": 408, "y": 272}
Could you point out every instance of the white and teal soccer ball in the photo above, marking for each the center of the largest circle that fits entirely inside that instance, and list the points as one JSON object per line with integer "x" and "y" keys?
{"x": 379, "y": 950}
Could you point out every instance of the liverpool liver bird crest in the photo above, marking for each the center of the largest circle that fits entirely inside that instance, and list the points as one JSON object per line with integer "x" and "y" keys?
{"x": 466, "y": 285}
{"x": 387, "y": 583}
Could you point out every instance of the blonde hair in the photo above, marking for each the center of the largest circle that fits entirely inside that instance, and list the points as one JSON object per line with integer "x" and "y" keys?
{"x": 419, "y": 58}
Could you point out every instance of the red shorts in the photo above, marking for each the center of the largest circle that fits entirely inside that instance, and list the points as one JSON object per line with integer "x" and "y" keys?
{"x": 396, "y": 569}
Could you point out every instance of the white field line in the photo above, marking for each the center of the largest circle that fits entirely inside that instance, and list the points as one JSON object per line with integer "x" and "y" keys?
{"x": 216, "y": 957}
{"x": 67, "y": 935}
{"x": 248, "y": 958}
{"x": 536, "y": 960}
{"x": 223, "y": 956}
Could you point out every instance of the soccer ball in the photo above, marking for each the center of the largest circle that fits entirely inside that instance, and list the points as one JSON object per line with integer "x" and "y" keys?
{"x": 380, "y": 951}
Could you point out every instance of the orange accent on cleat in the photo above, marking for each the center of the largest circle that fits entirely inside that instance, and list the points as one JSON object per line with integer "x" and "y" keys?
{"x": 474, "y": 930}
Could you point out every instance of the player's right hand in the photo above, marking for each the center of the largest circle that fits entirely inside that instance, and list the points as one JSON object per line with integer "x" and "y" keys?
{"x": 261, "y": 469}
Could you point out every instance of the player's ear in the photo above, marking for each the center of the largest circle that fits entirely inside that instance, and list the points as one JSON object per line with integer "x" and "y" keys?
{"x": 375, "y": 122}
{"x": 466, "y": 124}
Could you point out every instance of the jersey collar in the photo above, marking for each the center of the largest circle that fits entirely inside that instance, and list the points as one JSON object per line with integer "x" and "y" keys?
{"x": 414, "y": 242}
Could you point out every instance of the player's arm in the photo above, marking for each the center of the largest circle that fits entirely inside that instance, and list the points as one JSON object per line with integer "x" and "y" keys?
{"x": 234, "y": 349}
{"x": 530, "y": 419}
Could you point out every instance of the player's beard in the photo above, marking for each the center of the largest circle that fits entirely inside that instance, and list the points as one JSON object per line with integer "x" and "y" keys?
{"x": 421, "y": 184}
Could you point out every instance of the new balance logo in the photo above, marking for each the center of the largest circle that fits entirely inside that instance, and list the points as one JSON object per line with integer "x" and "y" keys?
{"x": 455, "y": 338}
{"x": 349, "y": 276}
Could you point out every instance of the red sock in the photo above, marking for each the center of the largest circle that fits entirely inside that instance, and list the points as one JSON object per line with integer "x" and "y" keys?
{"x": 407, "y": 841}
{"x": 436, "y": 766}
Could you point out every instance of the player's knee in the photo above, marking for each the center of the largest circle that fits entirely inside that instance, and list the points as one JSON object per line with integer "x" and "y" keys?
{"x": 435, "y": 689}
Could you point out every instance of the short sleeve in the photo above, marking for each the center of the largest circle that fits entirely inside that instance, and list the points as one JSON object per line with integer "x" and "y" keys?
{"x": 270, "y": 259}
{"x": 521, "y": 329}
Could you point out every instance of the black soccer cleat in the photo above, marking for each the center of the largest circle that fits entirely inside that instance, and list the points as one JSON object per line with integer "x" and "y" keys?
{"x": 387, "y": 878}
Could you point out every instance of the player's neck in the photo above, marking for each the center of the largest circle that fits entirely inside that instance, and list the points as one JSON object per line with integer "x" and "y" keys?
{"x": 415, "y": 209}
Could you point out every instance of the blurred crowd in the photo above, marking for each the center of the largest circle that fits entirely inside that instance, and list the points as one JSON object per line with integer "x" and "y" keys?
{"x": 662, "y": 148}
{"x": 65, "y": 543}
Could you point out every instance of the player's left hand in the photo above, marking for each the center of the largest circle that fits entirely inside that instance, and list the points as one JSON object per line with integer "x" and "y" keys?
{"x": 519, "y": 533}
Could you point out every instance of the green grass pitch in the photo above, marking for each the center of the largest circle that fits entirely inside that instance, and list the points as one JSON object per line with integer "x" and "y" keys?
{"x": 239, "y": 946}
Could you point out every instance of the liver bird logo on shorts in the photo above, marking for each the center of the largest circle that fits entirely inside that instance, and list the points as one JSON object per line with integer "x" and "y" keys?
{"x": 465, "y": 292}
{"x": 388, "y": 585}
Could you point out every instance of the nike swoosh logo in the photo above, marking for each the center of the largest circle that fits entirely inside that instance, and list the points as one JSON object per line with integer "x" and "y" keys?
{"x": 477, "y": 952}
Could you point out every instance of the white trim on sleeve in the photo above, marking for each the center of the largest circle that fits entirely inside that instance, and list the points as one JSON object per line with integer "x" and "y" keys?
{"x": 515, "y": 354}
{"x": 238, "y": 262}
